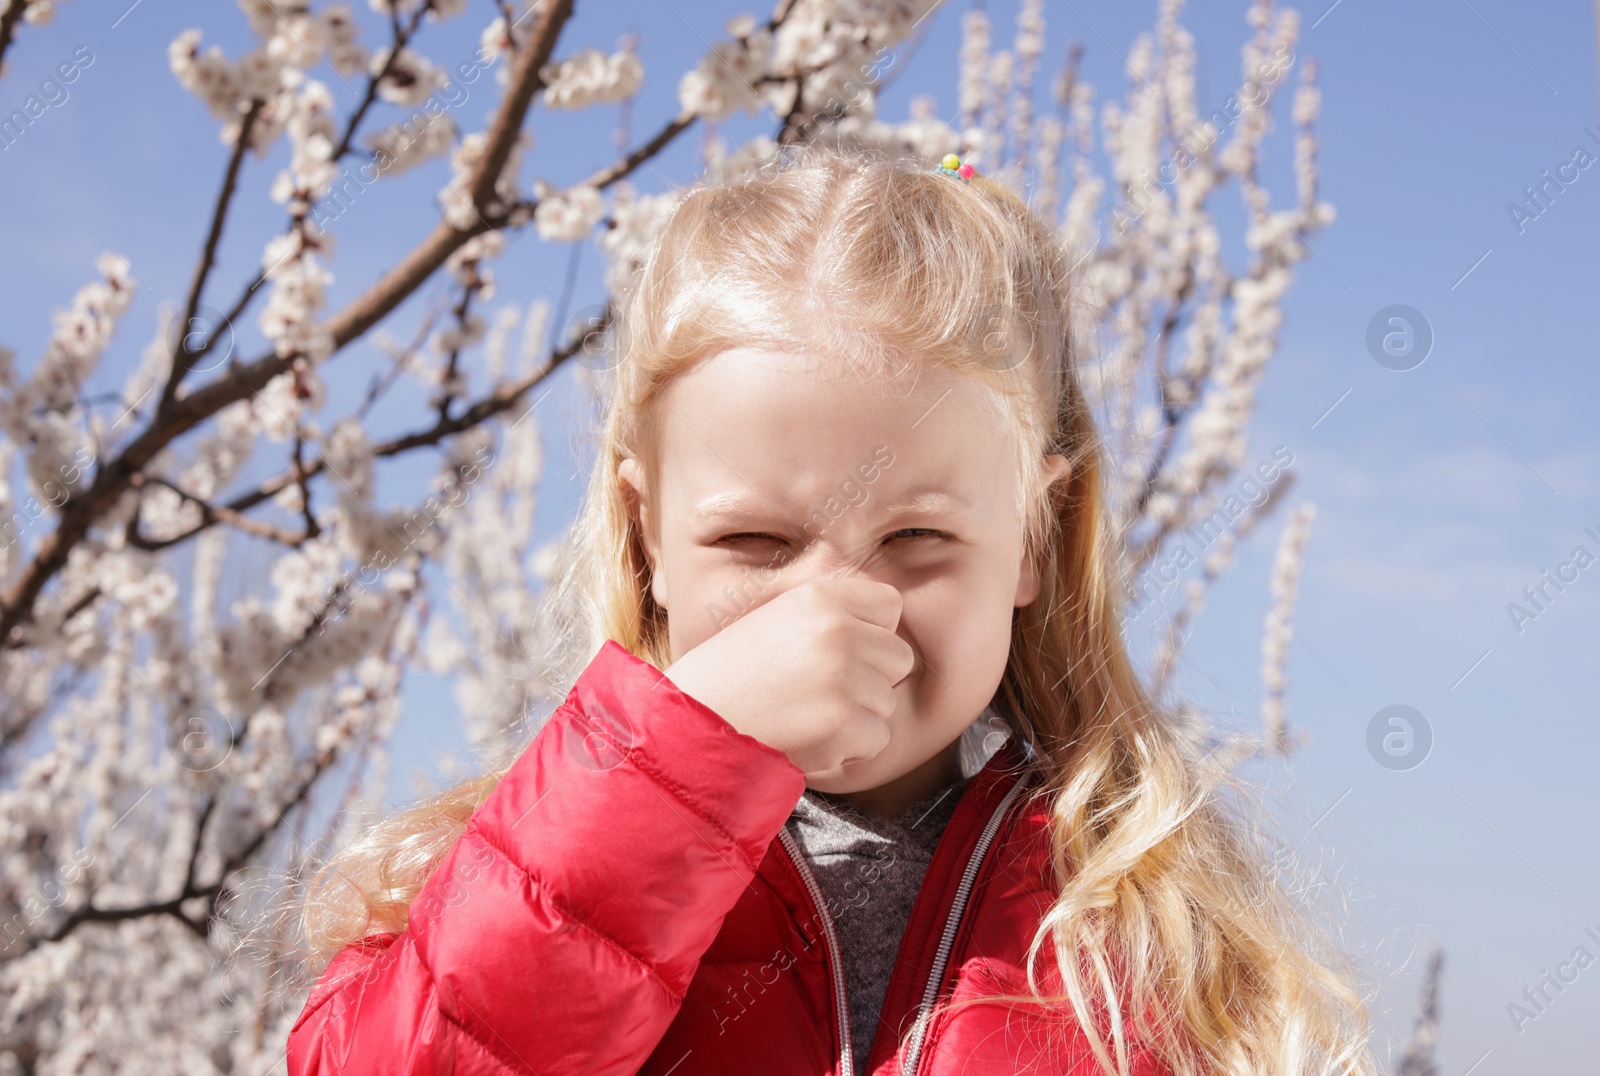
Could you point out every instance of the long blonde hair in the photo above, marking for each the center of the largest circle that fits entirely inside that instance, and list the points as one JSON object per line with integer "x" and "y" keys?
{"x": 1171, "y": 930}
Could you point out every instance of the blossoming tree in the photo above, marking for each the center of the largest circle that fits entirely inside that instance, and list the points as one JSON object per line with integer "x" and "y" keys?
{"x": 168, "y": 764}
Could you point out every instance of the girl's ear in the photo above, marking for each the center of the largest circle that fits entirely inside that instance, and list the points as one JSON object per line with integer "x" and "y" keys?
{"x": 1056, "y": 468}
{"x": 633, "y": 488}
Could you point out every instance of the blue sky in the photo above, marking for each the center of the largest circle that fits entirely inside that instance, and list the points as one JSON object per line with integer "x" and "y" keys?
{"x": 1442, "y": 491}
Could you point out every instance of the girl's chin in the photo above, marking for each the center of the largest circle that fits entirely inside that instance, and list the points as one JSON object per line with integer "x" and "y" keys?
{"x": 862, "y": 774}
{"x": 856, "y": 775}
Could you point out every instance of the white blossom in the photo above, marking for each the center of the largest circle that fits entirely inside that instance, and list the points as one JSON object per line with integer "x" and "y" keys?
{"x": 299, "y": 291}
{"x": 456, "y": 197}
{"x": 590, "y": 77}
{"x": 305, "y": 39}
{"x": 499, "y": 39}
{"x": 725, "y": 80}
{"x": 439, "y": 9}
{"x": 1278, "y": 632}
{"x": 569, "y": 215}
{"x": 284, "y": 401}
{"x": 974, "y": 64}
{"x": 636, "y": 220}
{"x": 802, "y": 43}
{"x": 405, "y": 145}
{"x": 279, "y": 632}
{"x": 38, "y": 12}
{"x": 312, "y": 129}
{"x": 208, "y": 75}
{"x": 410, "y": 80}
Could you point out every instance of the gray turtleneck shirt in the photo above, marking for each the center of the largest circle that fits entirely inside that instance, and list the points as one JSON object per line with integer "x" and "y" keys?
{"x": 870, "y": 870}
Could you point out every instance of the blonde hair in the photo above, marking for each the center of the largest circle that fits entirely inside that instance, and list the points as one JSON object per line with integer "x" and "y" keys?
{"x": 1171, "y": 930}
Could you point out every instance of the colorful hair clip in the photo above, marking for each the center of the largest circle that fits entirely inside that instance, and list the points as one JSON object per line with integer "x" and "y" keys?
{"x": 952, "y": 166}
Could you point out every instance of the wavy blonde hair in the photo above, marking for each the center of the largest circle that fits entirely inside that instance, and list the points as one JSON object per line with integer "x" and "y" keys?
{"x": 1171, "y": 931}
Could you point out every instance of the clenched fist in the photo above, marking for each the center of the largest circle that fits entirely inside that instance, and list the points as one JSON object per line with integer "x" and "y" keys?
{"x": 810, "y": 673}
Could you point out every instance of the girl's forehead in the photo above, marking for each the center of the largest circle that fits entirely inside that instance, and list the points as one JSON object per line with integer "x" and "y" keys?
{"x": 749, "y": 426}
{"x": 751, "y": 379}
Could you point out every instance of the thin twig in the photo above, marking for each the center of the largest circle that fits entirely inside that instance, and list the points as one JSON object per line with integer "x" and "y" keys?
{"x": 381, "y": 383}
{"x": 504, "y": 398}
{"x": 447, "y": 391}
{"x": 399, "y": 37}
{"x": 312, "y": 527}
{"x": 182, "y": 354}
{"x": 209, "y": 514}
{"x": 243, "y": 381}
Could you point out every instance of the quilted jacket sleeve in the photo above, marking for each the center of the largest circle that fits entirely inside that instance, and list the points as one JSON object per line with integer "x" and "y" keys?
{"x": 560, "y": 932}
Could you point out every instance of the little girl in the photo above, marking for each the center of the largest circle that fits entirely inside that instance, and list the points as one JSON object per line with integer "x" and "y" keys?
{"x": 857, "y": 777}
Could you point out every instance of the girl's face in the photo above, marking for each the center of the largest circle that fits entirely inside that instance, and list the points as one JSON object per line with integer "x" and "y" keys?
{"x": 774, "y": 470}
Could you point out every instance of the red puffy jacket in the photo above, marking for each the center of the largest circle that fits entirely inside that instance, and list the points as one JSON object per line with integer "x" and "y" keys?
{"x": 627, "y": 900}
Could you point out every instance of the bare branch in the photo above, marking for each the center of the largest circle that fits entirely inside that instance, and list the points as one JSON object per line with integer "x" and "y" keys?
{"x": 463, "y": 308}
{"x": 381, "y": 383}
{"x": 526, "y": 81}
{"x": 183, "y": 355}
{"x": 613, "y": 172}
{"x": 400, "y": 35}
{"x": 90, "y": 914}
{"x": 9, "y": 18}
{"x": 211, "y": 514}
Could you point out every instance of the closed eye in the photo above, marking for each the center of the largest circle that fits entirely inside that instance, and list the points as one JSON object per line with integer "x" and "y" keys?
{"x": 907, "y": 532}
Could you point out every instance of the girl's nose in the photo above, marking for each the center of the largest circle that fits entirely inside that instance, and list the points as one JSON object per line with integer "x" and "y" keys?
{"x": 826, "y": 559}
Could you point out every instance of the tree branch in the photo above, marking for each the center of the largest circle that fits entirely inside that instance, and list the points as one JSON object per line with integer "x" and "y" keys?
{"x": 502, "y": 399}
{"x": 400, "y": 35}
{"x": 9, "y": 18}
{"x": 526, "y": 81}
{"x": 17, "y": 601}
{"x": 210, "y": 514}
{"x": 381, "y": 383}
{"x": 173, "y": 906}
{"x": 612, "y": 172}
{"x": 1172, "y": 415}
{"x": 90, "y": 914}
{"x": 447, "y": 392}
{"x": 182, "y": 355}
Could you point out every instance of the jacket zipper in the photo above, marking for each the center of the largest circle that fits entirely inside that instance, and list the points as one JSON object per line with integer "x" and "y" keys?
{"x": 952, "y": 922}
{"x": 941, "y": 957}
{"x": 835, "y": 960}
